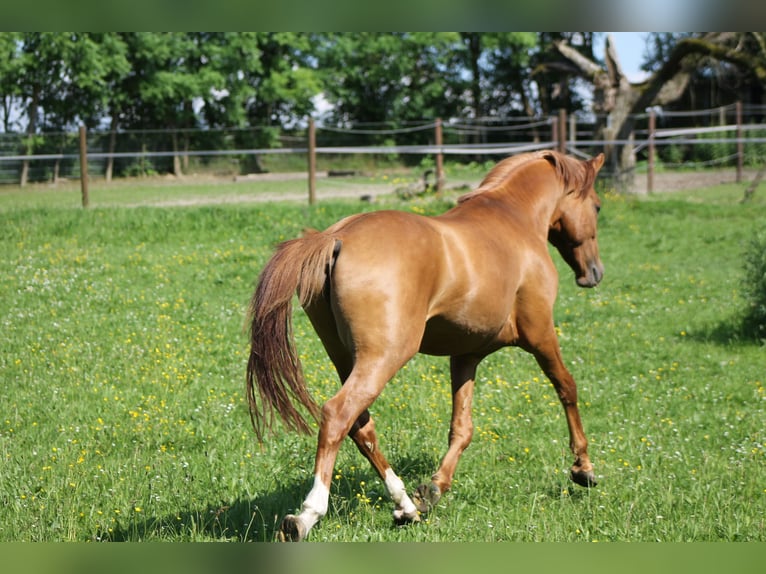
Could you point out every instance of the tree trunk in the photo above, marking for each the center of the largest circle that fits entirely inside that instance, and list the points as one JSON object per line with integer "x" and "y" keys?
{"x": 176, "y": 158}
{"x": 6, "y": 114}
{"x": 472, "y": 42}
{"x": 474, "y": 50}
{"x": 31, "y": 129}
{"x": 24, "y": 171}
{"x": 112, "y": 146}
{"x": 185, "y": 158}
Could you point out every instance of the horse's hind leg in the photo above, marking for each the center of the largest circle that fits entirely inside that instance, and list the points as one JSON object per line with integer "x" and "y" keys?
{"x": 340, "y": 414}
{"x": 366, "y": 439}
{"x": 363, "y": 430}
{"x": 463, "y": 373}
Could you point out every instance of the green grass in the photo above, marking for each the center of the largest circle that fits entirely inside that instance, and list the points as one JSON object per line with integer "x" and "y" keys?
{"x": 123, "y": 357}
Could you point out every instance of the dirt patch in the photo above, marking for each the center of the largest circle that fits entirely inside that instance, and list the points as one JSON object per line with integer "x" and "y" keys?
{"x": 332, "y": 188}
{"x": 367, "y": 192}
{"x": 343, "y": 188}
{"x": 677, "y": 181}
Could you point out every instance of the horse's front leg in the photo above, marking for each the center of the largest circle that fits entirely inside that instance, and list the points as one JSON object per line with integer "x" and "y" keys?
{"x": 548, "y": 355}
{"x": 463, "y": 373}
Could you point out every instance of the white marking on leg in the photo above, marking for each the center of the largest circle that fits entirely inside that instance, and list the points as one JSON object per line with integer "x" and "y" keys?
{"x": 405, "y": 508}
{"x": 315, "y": 505}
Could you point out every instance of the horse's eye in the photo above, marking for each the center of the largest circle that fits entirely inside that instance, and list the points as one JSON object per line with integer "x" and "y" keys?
{"x": 598, "y": 209}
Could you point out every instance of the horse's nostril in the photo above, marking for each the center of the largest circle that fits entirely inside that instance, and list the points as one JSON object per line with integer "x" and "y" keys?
{"x": 598, "y": 273}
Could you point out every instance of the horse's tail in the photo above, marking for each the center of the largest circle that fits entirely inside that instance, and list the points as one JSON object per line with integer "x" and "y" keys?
{"x": 274, "y": 369}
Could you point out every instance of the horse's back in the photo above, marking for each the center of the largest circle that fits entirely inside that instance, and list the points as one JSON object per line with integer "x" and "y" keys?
{"x": 442, "y": 280}
{"x": 388, "y": 225}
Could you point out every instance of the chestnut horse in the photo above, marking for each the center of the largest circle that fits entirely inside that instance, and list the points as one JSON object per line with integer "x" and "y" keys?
{"x": 380, "y": 287}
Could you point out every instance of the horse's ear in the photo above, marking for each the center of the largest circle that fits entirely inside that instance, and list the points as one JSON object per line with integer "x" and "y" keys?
{"x": 592, "y": 167}
{"x": 597, "y": 162}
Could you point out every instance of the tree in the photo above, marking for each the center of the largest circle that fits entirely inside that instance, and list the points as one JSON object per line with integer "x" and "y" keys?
{"x": 237, "y": 59}
{"x": 220, "y": 80}
{"x": 40, "y": 81}
{"x": 10, "y": 67}
{"x": 286, "y": 83}
{"x": 556, "y": 79}
{"x": 384, "y": 77}
{"x": 94, "y": 63}
{"x": 269, "y": 81}
{"x": 57, "y": 80}
{"x": 164, "y": 81}
{"x": 498, "y": 63}
{"x": 730, "y": 67}
{"x": 677, "y": 59}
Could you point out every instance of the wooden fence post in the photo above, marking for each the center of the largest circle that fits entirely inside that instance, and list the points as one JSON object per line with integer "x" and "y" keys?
{"x": 84, "y": 166}
{"x": 312, "y": 161}
{"x": 650, "y": 161}
{"x": 740, "y": 143}
{"x": 554, "y": 131}
{"x": 562, "y": 130}
{"x": 112, "y": 145}
{"x": 438, "y": 137}
{"x": 573, "y": 131}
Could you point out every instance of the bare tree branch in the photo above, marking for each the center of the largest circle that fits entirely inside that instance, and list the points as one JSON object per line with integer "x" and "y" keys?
{"x": 587, "y": 68}
{"x": 613, "y": 67}
{"x": 754, "y": 62}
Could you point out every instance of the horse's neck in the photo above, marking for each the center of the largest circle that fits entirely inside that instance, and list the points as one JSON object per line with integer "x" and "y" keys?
{"x": 537, "y": 204}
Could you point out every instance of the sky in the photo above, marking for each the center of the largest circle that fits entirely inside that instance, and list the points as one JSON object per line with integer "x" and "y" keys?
{"x": 630, "y": 53}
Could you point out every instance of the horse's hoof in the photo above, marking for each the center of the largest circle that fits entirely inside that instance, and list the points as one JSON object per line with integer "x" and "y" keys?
{"x": 402, "y": 519}
{"x": 583, "y": 478}
{"x": 425, "y": 497}
{"x": 291, "y": 529}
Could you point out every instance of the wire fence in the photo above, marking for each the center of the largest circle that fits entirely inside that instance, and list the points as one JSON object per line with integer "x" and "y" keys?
{"x": 721, "y": 137}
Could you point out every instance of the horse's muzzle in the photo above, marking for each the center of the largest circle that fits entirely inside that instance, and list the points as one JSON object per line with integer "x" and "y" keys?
{"x": 594, "y": 275}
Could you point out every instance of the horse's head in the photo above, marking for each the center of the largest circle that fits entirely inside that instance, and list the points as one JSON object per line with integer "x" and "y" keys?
{"x": 573, "y": 226}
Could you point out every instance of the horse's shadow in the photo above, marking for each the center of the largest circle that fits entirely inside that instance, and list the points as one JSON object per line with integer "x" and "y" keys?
{"x": 243, "y": 519}
{"x": 248, "y": 519}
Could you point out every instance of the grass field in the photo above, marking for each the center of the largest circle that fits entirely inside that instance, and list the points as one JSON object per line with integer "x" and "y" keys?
{"x": 123, "y": 355}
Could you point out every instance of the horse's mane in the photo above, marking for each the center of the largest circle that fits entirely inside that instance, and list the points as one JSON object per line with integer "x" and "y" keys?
{"x": 575, "y": 175}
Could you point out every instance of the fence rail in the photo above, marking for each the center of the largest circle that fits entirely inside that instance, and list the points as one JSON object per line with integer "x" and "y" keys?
{"x": 676, "y": 138}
